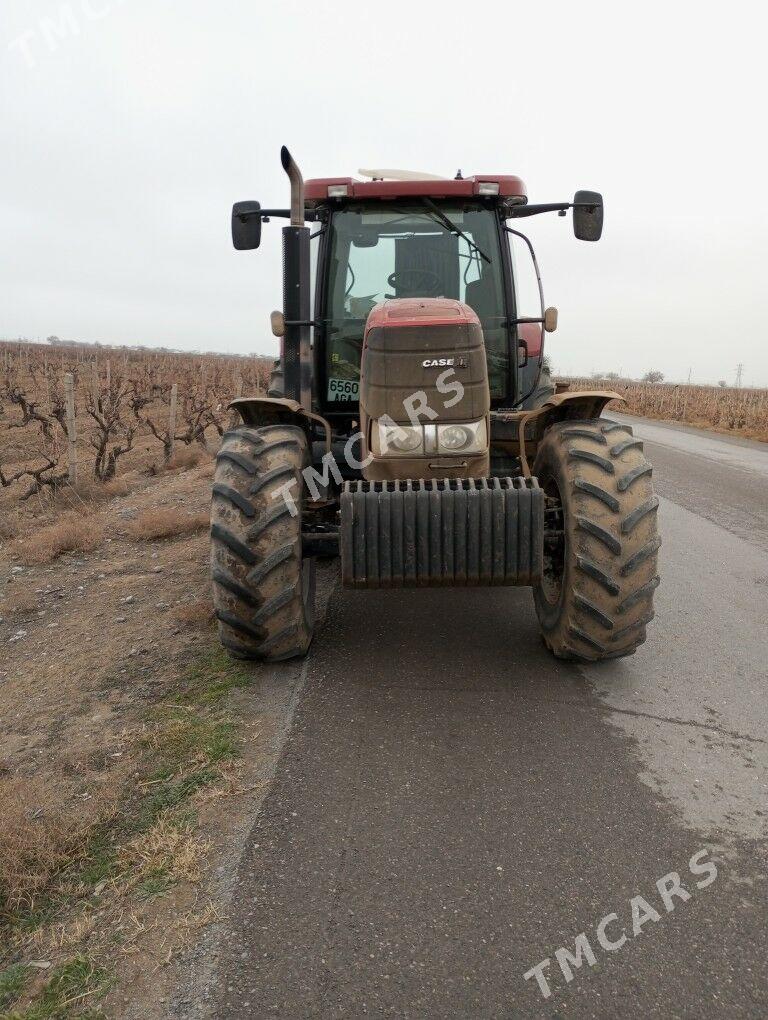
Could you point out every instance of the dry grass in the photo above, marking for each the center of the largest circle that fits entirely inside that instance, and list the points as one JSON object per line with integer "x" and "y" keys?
{"x": 93, "y": 491}
{"x": 38, "y": 838}
{"x": 196, "y": 920}
{"x": 63, "y": 935}
{"x": 166, "y": 523}
{"x": 165, "y": 852}
{"x": 18, "y": 602}
{"x": 198, "y": 614}
{"x": 9, "y": 526}
{"x": 186, "y": 457}
{"x": 74, "y": 532}
{"x": 229, "y": 784}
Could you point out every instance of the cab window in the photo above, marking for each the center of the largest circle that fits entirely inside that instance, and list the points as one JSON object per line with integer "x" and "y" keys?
{"x": 409, "y": 251}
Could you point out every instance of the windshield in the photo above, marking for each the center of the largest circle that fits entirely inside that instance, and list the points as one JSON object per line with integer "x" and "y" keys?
{"x": 400, "y": 251}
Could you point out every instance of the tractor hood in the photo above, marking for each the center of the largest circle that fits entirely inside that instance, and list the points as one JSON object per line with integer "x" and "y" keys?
{"x": 424, "y": 366}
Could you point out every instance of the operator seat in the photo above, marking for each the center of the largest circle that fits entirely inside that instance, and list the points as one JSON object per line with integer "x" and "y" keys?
{"x": 481, "y": 297}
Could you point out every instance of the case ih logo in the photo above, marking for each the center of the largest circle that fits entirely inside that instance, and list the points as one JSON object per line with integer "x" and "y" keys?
{"x": 444, "y": 363}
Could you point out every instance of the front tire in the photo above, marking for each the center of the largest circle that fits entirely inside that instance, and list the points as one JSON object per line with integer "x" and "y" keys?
{"x": 263, "y": 588}
{"x": 601, "y": 541}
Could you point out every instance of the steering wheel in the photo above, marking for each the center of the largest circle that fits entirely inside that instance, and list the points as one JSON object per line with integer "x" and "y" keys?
{"x": 417, "y": 282}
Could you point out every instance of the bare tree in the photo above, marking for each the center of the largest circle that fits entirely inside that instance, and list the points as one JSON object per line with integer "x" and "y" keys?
{"x": 42, "y": 476}
{"x": 653, "y": 377}
{"x": 114, "y": 434}
{"x": 29, "y": 411}
{"x": 197, "y": 413}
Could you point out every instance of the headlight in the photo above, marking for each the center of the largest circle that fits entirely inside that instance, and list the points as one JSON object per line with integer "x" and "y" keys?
{"x": 395, "y": 439}
{"x": 392, "y": 440}
{"x": 455, "y": 437}
{"x": 466, "y": 438}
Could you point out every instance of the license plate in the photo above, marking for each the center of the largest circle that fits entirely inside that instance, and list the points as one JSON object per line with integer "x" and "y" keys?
{"x": 343, "y": 389}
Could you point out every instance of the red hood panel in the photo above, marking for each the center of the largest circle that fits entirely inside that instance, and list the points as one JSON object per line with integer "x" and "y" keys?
{"x": 420, "y": 312}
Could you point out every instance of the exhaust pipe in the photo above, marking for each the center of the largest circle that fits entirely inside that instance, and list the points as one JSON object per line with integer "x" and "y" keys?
{"x": 297, "y": 187}
{"x": 295, "y": 347}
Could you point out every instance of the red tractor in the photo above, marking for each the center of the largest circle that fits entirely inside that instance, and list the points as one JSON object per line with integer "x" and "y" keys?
{"x": 413, "y": 429}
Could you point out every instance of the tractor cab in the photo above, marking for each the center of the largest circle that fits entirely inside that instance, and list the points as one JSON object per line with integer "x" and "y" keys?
{"x": 387, "y": 240}
{"x": 403, "y": 235}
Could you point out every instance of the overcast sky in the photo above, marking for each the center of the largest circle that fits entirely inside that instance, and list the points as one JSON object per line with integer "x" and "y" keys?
{"x": 128, "y": 127}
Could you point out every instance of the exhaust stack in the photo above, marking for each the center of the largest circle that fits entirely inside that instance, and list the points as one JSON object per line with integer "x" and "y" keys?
{"x": 297, "y": 187}
{"x": 296, "y": 353}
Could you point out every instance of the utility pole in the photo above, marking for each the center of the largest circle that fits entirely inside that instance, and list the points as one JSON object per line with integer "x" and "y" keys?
{"x": 69, "y": 391}
{"x": 172, "y": 421}
{"x": 689, "y": 376}
{"x": 739, "y": 373}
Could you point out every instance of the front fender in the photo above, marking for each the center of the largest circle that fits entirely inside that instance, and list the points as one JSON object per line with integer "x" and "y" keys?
{"x": 256, "y": 411}
{"x": 518, "y": 433}
{"x": 576, "y": 404}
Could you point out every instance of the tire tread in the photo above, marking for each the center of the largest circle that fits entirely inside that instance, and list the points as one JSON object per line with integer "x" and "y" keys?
{"x": 262, "y": 592}
{"x": 606, "y": 600}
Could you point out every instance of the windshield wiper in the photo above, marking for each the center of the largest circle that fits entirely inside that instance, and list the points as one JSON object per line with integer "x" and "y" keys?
{"x": 450, "y": 225}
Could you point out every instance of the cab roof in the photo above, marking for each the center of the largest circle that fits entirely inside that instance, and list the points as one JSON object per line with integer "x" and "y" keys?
{"x": 511, "y": 190}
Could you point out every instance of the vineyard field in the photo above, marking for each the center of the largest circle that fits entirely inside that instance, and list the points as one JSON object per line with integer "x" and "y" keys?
{"x": 121, "y": 406}
{"x": 741, "y": 412}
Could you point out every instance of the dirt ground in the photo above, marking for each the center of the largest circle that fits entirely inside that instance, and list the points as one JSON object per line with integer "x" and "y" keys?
{"x": 131, "y": 752}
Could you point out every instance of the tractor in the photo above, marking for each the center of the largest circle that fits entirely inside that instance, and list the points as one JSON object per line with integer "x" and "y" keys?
{"x": 413, "y": 430}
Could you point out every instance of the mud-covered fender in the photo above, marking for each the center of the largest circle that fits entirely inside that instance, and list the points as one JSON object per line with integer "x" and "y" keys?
{"x": 256, "y": 411}
{"x": 520, "y": 432}
{"x": 565, "y": 406}
{"x": 576, "y": 404}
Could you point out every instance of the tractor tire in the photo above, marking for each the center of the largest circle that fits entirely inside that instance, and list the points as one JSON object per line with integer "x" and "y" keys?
{"x": 601, "y": 541}
{"x": 276, "y": 386}
{"x": 263, "y": 588}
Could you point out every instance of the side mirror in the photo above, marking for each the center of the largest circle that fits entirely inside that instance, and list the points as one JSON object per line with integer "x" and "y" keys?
{"x": 588, "y": 215}
{"x": 246, "y": 225}
{"x": 550, "y": 320}
{"x": 277, "y": 322}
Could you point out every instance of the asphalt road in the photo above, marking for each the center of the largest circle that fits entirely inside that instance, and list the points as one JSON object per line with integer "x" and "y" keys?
{"x": 452, "y": 805}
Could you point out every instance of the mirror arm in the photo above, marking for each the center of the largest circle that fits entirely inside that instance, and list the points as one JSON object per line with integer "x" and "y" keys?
{"x": 309, "y": 214}
{"x": 519, "y": 211}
